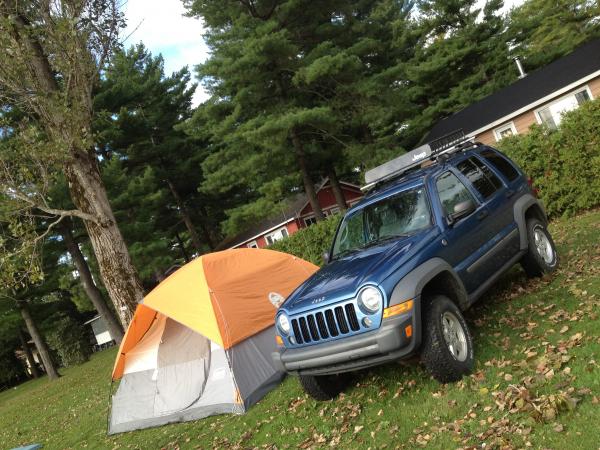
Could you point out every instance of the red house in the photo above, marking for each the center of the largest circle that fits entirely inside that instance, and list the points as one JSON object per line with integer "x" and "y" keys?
{"x": 297, "y": 214}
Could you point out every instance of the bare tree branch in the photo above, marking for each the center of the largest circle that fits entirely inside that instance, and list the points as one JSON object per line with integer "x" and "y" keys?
{"x": 62, "y": 213}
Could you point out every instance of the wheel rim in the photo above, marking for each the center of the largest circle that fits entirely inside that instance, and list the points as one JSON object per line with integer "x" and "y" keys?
{"x": 543, "y": 245}
{"x": 454, "y": 335}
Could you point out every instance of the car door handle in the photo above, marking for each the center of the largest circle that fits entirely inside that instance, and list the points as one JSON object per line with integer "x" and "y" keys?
{"x": 510, "y": 193}
{"x": 482, "y": 214}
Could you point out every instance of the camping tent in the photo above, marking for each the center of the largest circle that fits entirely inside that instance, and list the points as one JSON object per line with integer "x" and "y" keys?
{"x": 201, "y": 342}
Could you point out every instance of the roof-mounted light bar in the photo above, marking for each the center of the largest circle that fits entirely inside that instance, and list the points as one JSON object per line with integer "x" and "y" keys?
{"x": 396, "y": 167}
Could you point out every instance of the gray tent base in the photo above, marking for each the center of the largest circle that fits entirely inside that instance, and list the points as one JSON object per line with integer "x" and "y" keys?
{"x": 194, "y": 379}
{"x": 198, "y": 413}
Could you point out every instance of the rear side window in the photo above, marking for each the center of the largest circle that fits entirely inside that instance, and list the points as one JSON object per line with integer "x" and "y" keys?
{"x": 481, "y": 176}
{"x": 501, "y": 164}
{"x": 451, "y": 192}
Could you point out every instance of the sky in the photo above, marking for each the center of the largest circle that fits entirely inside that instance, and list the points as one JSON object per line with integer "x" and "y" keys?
{"x": 162, "y": 27}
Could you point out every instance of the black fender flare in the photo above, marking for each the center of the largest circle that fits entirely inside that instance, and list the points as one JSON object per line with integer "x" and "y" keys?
{"x": 519, "y": 209}
{"x": 412, "y": 284}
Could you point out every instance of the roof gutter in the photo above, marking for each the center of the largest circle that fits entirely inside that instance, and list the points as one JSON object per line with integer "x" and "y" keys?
{"x": 530, "y": 106}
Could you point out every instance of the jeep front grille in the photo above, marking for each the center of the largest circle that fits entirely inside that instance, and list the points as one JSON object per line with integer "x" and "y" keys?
{"x": 332, "y": 322}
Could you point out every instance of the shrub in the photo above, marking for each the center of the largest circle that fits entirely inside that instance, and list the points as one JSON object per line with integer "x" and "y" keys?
{"x": 310, "y": 243}
{"x": 564, "y": 164}
{"x": 68, "y": 339}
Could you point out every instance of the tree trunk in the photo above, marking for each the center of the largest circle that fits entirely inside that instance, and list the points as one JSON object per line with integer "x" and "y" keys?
{"x": 89, "y": 286}
{"x": 182, "y": 247}
{"x": 336, "y": 188}
{"x": 206, "y": 230}
{"x": 186, "y": 217}
{"x": 159, "y": 276}
{"x": 39, "y": 341}
{"x": 30, "y": 360}
{"x": 116, "y": 268}
{"x": 71, "y": 132}
{"x": 309, "y": 187}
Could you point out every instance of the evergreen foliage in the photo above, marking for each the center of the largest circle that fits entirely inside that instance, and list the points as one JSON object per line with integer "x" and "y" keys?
{"x": 11, "y": 369}
{"x": 69, "y": 340}
{"x": 564, "y": 164}
{"x": 461, "y": 56}
{"x": 150, "y": 167}
{"x": 295, "y": 88}
{"x": 541, "y": 31}
{"x": 312, "y": 242}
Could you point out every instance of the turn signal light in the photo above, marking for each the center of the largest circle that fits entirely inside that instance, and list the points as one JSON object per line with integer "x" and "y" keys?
{"x": 408, "y": 331}
{"x": 278, "y": 340}
{"x": 397, "y": 309}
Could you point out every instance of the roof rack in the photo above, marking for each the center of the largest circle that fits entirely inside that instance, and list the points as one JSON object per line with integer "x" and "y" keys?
{"x": 395, "y": 168}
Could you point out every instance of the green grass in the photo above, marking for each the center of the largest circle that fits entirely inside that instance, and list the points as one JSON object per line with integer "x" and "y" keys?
{"x": 537, "y": 349}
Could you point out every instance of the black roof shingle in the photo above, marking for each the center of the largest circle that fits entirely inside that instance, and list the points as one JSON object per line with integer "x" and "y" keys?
{"x": 582, "y": 62}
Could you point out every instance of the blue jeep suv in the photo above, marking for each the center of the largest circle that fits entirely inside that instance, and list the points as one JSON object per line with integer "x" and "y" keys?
{"x": 435, "y": 230}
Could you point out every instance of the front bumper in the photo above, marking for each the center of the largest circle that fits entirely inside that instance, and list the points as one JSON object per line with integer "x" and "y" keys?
{"x": 388, "y": 343}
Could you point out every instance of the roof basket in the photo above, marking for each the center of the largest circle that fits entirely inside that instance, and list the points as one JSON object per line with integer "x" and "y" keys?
{"x": 394, "y": 168}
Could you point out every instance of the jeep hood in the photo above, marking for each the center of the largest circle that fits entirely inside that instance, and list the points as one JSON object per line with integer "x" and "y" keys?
{"x": 342, "y": 277}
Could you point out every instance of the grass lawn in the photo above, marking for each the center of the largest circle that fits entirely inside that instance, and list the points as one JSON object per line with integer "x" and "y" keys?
{"x": 536, "y": 384}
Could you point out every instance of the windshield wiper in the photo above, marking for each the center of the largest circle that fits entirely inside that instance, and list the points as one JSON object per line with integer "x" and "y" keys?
{"x": 382, "y": 240}
{"x": 368, "y": 245}
{"x": 345, "y": 253}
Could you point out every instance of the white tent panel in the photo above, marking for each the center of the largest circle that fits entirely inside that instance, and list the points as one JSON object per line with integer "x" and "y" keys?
{"x": 144, "y": 356}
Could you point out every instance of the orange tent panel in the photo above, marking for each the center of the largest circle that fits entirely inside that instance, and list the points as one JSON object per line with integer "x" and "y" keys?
{"x": 240, "y": 288}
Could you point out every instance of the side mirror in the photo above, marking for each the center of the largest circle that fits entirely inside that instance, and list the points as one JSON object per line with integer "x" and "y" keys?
{"x": 326, "y": 257}
{"x": 461, "y": 210}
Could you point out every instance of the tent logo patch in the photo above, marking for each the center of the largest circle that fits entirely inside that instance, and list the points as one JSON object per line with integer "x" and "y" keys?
{"x": 276, "y": 299}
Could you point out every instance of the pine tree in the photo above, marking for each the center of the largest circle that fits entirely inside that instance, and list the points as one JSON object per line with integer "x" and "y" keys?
{"x": 296, "y": 89}
{"x": 461, "y": 56}
{"x": 541, "y": 31}
{"x": 144, "y": 151}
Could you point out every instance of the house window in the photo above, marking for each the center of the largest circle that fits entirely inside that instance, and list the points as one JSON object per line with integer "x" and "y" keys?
{"x": 508, "y": 129}
{"x": 252, "y": 244}
{"x": 551, "y": 115}
{"x": 308, "y": 221}
{"x": 277, "y": 235}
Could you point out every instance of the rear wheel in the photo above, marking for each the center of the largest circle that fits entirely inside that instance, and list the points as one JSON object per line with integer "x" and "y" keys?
{"x": 541, "y": 256}
{"x": 447, "y": 350}
{"x": 324, "y": 387}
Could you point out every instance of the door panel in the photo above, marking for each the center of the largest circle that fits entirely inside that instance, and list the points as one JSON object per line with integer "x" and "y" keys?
{"x": 465, "y": 237}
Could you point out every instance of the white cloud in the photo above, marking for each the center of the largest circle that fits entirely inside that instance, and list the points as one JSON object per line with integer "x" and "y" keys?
{"x": 163, "y": 28}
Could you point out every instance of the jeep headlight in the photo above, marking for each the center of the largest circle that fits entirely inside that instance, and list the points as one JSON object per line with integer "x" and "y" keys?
{"x": 284, "y": 324}
{"x": 370, "y": 299}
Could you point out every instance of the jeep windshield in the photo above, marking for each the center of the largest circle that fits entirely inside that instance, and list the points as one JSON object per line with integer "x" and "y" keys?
{"x": 389, "y": 218}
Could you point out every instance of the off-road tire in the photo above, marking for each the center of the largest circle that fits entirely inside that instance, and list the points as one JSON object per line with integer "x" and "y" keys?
{"x": 435, "y": 354}
{"x": 324, "y": 387}
{"x": 532, "y": 262}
